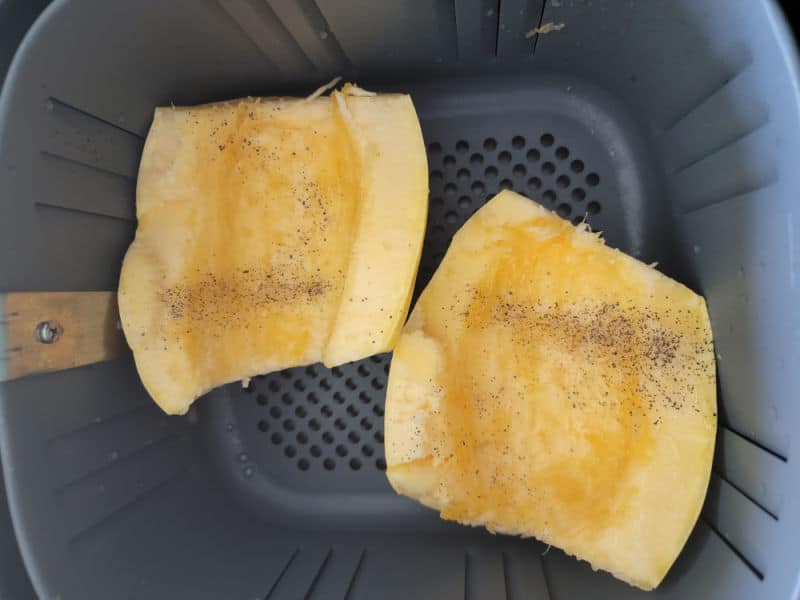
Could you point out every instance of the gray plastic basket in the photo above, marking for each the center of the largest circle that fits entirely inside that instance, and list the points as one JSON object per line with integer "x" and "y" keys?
{"x": 673, "y": 125}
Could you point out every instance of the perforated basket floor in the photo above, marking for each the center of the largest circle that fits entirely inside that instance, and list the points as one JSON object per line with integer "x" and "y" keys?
{"x": 310, "y": 440}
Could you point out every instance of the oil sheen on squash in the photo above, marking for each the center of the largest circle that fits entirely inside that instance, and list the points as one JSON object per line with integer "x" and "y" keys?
{"x": 549, "y": 386}
{"x": 253, "y": 231}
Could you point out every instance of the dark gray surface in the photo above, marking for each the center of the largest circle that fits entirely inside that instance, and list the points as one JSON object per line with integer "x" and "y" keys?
{"x": 14, "y": 582}
{"x": 16, "y": 16}
{"x": 692, "y": 129}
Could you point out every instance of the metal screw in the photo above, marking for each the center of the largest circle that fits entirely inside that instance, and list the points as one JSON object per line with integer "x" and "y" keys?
{"x": 47, "y": 332}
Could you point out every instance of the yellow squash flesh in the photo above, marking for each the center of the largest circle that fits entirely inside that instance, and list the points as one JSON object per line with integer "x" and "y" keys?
{"x": 549, "y": 386}
{"x": 272, "y": 233}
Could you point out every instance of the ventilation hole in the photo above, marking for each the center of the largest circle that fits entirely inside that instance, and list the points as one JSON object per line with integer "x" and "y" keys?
{"x": 287, "y": 399}
{"x": 337, "y": 372}
{"x": 301, "y": 437}
{"x": 288, "y": 425}
{"x": 520, "y": 171}
{"x": 325, "y": 384}
{"x": 327, "y": 437}
{"x": 562, "y": 181}
{"x": 462, "y": 146}
{"x": 299, "y": 385}
{"x": 549, "y": 196}
{"x": 577, "y": 220}
{"x": 367, "y": 450}
{"x": 338, "y": 397}
{"x": 354, "y": 437}
{"x": 261, "y": 400}
{"x": 352, "y": 410}
{"x": 593, "y": 208}
{"x": 341, "y": 450}
{"x": 463, "y": 174}
{"x": 547, "y": 139}
{"x": 381, "y": 464}
{"x": 351, "y": 385}
{"x": 477, "y": 188}
{"x": 364, "y": 397}
{"x": 313, "y": 398}
{"x": 562, "y": 153}
{"x": 363, "y": 370}
{"x": 386, "y": 369}
{"x": 301, "y": 412}
{"x": 436, "y": 176}
{"x": 376, "y": 359}
{"x": 490, "y": 172}
{"x": 592, "y": 179}
{"x": 534, "y": 183}
{"x": 506, "y": 184}
{"x": 378, "y": 437}
{"x": 533, "y": 155}
{"x": 313, "y": 424}
{"x": 578, "y": 195}
{"x": 434, "y": 148}
{"x": 286, "y": 374}
{"x": 438, "y": 230}
{"x": 263, "y": 426}
{"x": 311, "y": 371}
{"x": 290, "y": 451}
{"x": 302, "y": 464}
{"x": 275, "y": 412}
{"x": 449, "y": 160}
{"x": 355, "y": 464}
{"x": 564, "y": 210}
{"x": 316, "y": 451}
{"x": 464, "y": 202}
{"x": 377, "y": 383}
{"x": 340, "y": 425}
{"x": 451, "y": 216}
{"x": 326, "y": 411}
{"x": 277, "y": 438}
{"x": 366, "y": 423}
{"x": 576, "y": 166}
{"x": 548, "y": 168}
{"x": 476, "y": 159}
{"x": 504, "y": 156}
{"x": 274, "y": 385}
{"x": 518, "y": 142}
{"x": 378, "y": 410}
{"x": 489, "y": 144}
{"x": 329, "y": 464}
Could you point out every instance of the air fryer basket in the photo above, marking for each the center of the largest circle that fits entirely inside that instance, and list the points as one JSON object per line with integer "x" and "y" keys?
{"x": 672, "y": 127}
